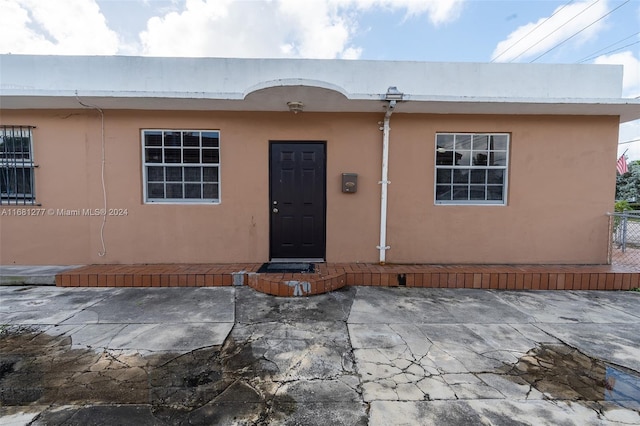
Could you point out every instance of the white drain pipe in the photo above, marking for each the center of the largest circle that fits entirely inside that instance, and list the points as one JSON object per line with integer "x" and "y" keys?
{"x": 383, "y": 247}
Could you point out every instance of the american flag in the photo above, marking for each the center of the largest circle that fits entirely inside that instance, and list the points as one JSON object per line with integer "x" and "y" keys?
{"x": 621, "y": 165}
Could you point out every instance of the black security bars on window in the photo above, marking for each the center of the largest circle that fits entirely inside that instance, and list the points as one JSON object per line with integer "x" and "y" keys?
{"x": 16, "y": 166}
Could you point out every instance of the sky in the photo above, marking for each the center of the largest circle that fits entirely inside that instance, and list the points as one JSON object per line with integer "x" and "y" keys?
{"x": 536, "y": 31}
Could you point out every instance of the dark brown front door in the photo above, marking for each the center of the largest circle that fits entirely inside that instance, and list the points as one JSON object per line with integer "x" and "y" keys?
{"x": 297, "y": 200}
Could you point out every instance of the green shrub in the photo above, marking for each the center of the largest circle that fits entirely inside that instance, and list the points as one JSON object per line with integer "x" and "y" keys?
{"x": 622, "y": 205}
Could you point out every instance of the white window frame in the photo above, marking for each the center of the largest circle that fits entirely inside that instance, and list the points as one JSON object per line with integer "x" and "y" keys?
{"x": 165, "y": 165}
{"x": 470, "y": 167}
{"x": 12, "y": 163}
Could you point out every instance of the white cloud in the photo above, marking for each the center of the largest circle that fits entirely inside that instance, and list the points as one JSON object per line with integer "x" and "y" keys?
{"x": 55, "y": 27}
{"x": 528, "y": 41}
{"x": 234, "y": 28}
{"x": 317, "y": 29}
{"x": 247, "y": 29}
{"x": 276, "y": 28}
{"x": 438, "y": 11}
{"x": 631, "y": 73}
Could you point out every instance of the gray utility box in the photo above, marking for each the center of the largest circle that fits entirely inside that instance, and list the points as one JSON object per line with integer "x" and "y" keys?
{"x": 349, "y": 182}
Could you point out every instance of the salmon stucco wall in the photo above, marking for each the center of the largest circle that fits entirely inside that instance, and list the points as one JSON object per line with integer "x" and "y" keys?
{"x": 67, "y": 148}
{"x": 561, "y": 185}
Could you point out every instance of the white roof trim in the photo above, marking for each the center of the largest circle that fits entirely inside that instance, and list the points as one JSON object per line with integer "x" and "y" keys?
{"x": 120, "y": 82}
{"x": 287, "y": 82}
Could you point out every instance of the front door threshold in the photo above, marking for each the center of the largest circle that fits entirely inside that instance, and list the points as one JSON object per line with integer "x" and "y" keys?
{"x": 297, "y": 260}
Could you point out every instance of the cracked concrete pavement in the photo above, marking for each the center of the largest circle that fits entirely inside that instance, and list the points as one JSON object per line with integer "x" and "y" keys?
{"x": 362, "y": 355}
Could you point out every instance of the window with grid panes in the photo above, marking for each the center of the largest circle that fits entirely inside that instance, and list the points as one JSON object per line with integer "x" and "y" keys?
{"x": 16, "y": 166}
{"x": 471, "y": 168}
{"x": 181, "y": 166}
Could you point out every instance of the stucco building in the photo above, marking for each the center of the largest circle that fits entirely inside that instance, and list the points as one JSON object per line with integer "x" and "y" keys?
{"x": 152, "y": 160}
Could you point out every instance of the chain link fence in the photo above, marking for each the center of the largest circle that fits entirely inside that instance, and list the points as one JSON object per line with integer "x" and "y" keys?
{"x": 625, "y": 238}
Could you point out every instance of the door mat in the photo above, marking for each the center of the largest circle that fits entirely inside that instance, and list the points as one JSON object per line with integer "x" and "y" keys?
{"x": 290, "y": 268}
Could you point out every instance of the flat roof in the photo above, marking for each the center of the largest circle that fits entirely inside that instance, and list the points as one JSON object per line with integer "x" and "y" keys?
{"x": 225, "y": 84}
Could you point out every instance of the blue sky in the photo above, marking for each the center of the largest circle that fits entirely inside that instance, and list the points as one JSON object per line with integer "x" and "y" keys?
{"x": 539, "y": 31}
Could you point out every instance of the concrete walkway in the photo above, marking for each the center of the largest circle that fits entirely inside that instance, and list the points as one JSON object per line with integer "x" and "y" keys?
{"x": 358, "y": 356}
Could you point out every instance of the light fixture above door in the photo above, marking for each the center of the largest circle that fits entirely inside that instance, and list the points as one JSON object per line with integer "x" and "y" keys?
{"x": 295, "y": 106}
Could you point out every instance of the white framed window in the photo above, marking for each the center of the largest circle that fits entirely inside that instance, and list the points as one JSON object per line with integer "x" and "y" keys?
{"x": 471, "y": 168}
{"x": 181, "y": 166}
{"x": 16, "y": 166}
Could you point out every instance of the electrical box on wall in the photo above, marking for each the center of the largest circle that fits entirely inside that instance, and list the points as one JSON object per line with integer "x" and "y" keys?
{"x": 349, "y": 182}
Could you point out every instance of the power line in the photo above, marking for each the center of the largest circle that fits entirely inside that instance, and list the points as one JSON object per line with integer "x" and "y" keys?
{"x": 575, "y": 34}
{"x": 535, "y": 28}
{"x": 552, "y": 32}
{"x": 591, "y": 55}
{"x": 596, "y": 54}
{"x": 631, "y": 141}
{"x": 611, "y": 51}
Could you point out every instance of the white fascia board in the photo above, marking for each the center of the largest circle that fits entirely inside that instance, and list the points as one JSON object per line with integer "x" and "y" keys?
{"x": 117, "y": 82}
{"x": 625, "y": 109}
{"x": 143, "y": 75}
{"x": 106, "y": 94}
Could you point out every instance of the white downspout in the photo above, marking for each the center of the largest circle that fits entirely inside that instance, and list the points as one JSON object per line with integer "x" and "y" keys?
{"x": 383, "y": 247}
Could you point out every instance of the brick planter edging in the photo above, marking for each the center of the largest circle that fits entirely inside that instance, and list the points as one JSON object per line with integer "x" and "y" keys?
{"x": 331, "y": 277}
{"x": 501, "y": 281}
{"x": 295, "y": 284}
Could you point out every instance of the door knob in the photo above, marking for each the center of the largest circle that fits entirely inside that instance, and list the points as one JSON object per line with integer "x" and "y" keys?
{"x": 275, "y": 210}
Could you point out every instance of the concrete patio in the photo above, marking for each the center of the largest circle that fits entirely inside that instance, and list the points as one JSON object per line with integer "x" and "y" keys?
{"x": 357, "y": 356}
